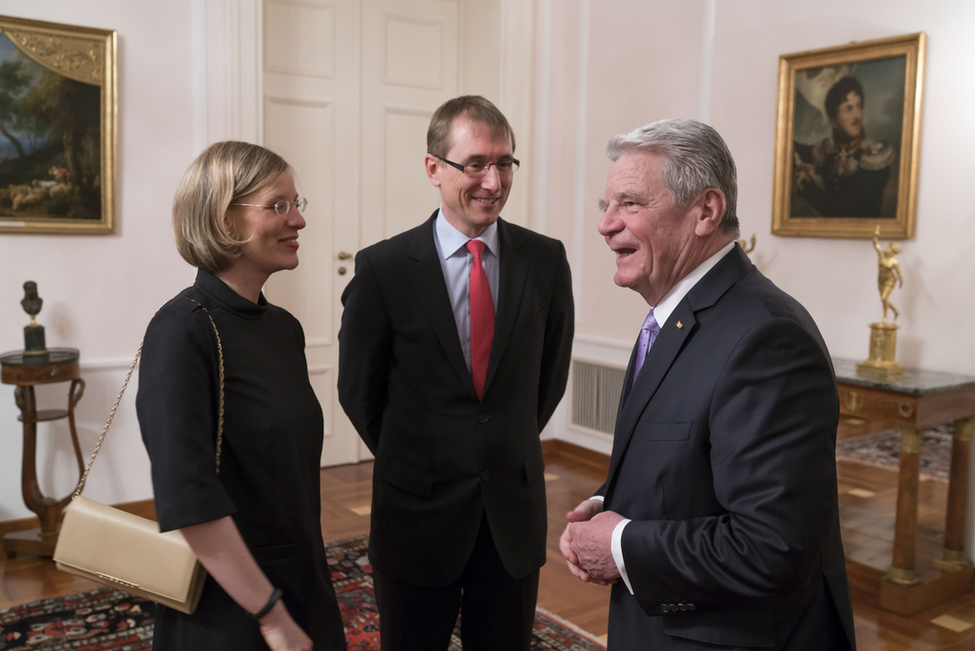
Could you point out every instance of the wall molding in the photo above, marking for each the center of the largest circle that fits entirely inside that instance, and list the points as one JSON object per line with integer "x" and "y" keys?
{"x": 106, "y": 365}
{"x": 543, "y": 136}
{"x": 579, "y": 212}
{"x": 246, "y": 80}
{"x": 516, "y": 91}
{"x": 141, "y": 508}
{"x": 708, "y": 29}
{"x": 319, "y": 342}
{"x": 602, "y": 350}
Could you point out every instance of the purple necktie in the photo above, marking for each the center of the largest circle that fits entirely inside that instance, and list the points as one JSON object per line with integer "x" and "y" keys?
{"x": 648, "y": 333}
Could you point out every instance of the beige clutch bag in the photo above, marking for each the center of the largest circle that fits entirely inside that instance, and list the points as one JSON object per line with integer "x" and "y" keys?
{"x": 123, "y": 551}
{"x": 118, "y": 549}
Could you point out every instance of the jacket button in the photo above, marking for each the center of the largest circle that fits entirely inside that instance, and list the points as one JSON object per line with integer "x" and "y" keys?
{"x": 484, "y": 418}
{"x": 486, "y": 475}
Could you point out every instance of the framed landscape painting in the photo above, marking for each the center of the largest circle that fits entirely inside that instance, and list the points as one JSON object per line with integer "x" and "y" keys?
{"x": 847, "y": 139}
{"x": 58, "y": 124}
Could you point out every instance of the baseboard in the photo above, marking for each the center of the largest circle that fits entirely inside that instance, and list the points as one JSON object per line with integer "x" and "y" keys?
{"x": 142, "y": 508}
{"x": 585, "y": 456}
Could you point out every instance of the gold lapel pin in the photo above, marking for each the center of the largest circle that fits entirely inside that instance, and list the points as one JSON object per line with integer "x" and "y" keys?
{"x": 679, "y": 325}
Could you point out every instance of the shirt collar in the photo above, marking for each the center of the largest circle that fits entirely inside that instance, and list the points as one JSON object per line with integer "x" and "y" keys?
{"x": 452, "y": 240}
{"x": 677, "y": 293}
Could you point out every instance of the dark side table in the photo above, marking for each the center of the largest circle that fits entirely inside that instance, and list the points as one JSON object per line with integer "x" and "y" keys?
{"x": 26, "y": 371}
{"x": 914, "y": 400}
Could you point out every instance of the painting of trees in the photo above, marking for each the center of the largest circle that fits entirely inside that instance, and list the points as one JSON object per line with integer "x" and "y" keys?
{"x": 12, "y": 86}
{"x": 56, "y": 173}
{"x": 57, "y": 127}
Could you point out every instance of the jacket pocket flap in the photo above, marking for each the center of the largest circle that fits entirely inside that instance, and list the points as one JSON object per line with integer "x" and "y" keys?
{"x": 667, "y": 431}
{"x": 402, "y": 476}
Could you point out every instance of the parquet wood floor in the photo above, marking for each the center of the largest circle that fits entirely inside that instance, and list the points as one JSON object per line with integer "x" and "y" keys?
{"x": 570, "y": 478}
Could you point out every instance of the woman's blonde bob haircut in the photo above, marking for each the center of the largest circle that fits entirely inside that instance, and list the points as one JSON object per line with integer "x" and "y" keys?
{"x": 223, "y": 174}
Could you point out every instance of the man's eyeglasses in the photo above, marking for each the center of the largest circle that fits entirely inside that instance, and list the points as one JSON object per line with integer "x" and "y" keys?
{"x": 282, "y": 207}
{"x": 507, "y": 166}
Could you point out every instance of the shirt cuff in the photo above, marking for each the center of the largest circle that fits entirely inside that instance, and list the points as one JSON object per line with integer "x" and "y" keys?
{"x": 598, "y": 498}
{"x": 617, "y": 548}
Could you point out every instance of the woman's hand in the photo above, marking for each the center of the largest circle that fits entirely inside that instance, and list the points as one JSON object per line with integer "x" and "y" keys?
{"x": 222, "y": 552}
{"x": 281, "y": 633}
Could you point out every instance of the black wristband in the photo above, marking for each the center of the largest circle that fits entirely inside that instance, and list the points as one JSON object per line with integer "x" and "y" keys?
{"x": 273, "y": 599}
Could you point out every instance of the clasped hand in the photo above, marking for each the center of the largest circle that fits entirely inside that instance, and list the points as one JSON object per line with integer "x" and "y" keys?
{"x": 586, "y": 543}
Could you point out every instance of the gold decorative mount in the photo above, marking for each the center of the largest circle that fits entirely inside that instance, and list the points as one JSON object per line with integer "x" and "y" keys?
{"x": 911, "y": 440}
{"x": 901, "y": 577}
{"x": 748, "y": 246}
{"x": 952, "y": 560}
{"x": 964, "y": 430}
{"x": 77, "y": 58}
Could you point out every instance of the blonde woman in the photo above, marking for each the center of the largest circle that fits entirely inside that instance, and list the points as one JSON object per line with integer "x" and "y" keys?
{"x": 256, "y": 525}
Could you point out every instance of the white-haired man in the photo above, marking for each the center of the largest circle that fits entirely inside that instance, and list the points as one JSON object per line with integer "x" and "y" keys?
{"x": 718, "y": 523}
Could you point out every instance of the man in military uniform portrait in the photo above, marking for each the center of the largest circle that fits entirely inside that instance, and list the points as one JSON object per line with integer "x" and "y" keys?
{"x": 844, "y": 175}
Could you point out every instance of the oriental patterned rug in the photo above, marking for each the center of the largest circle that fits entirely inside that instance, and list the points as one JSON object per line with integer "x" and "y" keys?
{"x": 109, "y": 620}
{"x": 882, "y": 450}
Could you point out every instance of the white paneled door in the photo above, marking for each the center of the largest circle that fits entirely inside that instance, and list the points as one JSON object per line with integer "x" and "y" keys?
{"x": 348, "y": 90}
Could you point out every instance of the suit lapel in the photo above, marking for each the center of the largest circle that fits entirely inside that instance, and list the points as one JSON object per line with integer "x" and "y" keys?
{"x": 428, "y": 281}
{"x": 659, "y": 360}
{"x": 667, "y": 347}
{"x": 627, "y": 380}
{"x": 512, "y": 276}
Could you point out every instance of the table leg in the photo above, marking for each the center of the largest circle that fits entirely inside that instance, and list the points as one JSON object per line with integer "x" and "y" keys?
{"x": 954, "y": 557}
{"x": 903, "y": 568}
{"x": 40, "y": 541}
{"x": 74, "y": 395}
{"x": 33, "y": 498}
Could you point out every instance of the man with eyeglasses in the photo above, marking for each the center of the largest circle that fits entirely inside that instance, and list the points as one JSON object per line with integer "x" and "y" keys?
{"x": 454, "y": 353}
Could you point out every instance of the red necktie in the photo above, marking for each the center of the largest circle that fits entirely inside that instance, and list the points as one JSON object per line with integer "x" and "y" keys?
{"x": 482, "y": 317}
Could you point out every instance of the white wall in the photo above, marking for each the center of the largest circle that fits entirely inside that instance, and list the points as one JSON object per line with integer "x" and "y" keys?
{"x": 717, "y": 62}
{"x": 601, "y": 67}
{"x": 836, "y": 279}
{"x": 100, "y": 291}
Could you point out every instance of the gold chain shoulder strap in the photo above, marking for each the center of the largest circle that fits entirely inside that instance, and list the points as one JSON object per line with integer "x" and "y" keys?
{"x": 220, "y": 401}
{"x": 118, "y": 400}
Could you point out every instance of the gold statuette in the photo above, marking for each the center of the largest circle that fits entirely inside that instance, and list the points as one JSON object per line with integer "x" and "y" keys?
{"x": 883, "y": 335}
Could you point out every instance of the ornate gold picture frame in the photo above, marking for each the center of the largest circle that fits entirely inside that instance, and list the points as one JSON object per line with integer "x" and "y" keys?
{"x": 58, "y": 126}
{"x": 847, "y": 139}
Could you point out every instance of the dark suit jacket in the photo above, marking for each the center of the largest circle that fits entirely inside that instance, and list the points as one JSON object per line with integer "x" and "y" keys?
{"x": 724, "y": 458}
{"x": 444, "y": 459}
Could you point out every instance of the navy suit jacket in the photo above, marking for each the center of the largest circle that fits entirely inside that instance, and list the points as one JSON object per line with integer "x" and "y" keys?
{"x": 724, "y": 458}
{"x": 445, "y": 458}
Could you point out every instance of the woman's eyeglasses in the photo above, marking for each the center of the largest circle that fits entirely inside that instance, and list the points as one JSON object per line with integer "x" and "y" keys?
{"x": 282, "y": 207}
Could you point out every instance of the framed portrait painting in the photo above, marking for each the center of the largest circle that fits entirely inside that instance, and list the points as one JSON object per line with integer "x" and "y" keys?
{"x": 847, "y": 138}
{"x": 58, "y": 103}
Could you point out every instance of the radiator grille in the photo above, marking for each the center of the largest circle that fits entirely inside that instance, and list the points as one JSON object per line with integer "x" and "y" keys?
{"x": 595, "y": 395}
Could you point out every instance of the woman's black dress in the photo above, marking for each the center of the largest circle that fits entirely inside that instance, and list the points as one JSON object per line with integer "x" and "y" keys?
{"x": 269, "y": 479}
